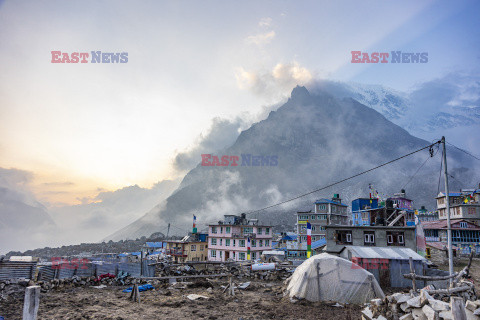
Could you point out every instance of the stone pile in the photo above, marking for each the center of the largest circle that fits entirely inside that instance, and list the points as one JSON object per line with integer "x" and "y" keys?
{"x": 408, "y": 306}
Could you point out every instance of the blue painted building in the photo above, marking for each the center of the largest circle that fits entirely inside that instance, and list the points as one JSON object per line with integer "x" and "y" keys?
{"x": 361, "y": 209}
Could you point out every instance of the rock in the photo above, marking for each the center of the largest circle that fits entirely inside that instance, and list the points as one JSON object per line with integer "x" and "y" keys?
{"x": 418, "y": 314}
{"x": 407, "y": 316}
{"x": 470, "y": 305}
{"x": 380, "y": 317}
{"x": 429, "y": 312}
{"x": 196, "y": 296}
{"x": 405, "y": 307}
{"x": 470, "y": 315}
{"x": 367, "y": 314}
{"x": 447, "y": 315}
{"x": 401, "y": 297}
{"x": 414, "y": 302}
{"x": 438, "y": 305}
{"x": 377, "y": 302}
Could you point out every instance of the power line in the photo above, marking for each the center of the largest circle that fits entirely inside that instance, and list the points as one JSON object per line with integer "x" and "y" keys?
{"x": 464, "y": 151}
{"x": 343, "y": 180}
{"x": 431, "y": 155}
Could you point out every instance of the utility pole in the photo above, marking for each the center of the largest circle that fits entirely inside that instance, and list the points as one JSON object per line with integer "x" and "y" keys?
{"x": 447, "y": 204}
{"x": 168, "y": 230}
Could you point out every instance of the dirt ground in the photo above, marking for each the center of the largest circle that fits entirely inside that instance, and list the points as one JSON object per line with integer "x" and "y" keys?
{"x": 260, "y": 301}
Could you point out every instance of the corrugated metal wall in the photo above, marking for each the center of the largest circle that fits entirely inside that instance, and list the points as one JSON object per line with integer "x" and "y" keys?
{"x": 17, "y": 270}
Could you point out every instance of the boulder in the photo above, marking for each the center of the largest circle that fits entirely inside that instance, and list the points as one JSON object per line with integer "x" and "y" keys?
{"x": 429, "y": 312}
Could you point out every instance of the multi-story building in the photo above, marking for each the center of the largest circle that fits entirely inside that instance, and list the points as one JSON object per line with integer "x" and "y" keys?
{"x": 191, "y": 248}
{"x": 326, "y": 212}
{"x": 465, "y": 234}
{"x": 370, "y": 212}
{"x": 424, "y": 216}
{"x": 229, "y": 238}
{"x": 463, "y": 205}
{"x": 338, "y": 237}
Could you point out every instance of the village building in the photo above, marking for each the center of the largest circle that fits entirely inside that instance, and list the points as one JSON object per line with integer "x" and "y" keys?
{"x": 424, "y": 216}
{"x": 326, "y": 212}
{"x": 397, "y": 210}
{"x": 193, "y": 247}
{"x": 229, "y": 238}
{"x": 339, "y": 237}
{"x": 465, "y": 234}
{"x": 463, "y": 205}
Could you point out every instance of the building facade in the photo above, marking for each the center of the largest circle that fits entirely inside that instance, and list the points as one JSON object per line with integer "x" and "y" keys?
{"x": 338, "y": 237}
{"x": 183, "y": 251}
{"x": 463, "y": 205}
{"x": 326, "y": 212}
{"x": 229, "y": 239}
{"x": 465, "y": 234}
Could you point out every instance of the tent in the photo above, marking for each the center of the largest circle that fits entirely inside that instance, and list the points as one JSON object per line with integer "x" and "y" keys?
{"x": 324, "y": 277}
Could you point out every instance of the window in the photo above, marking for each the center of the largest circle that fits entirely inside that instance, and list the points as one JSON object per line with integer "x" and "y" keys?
{"x": 241, "y": 255}
{"x": 193, "y": 247}
{"x": 267, "y": 230}
{"x": 323, "y": 216}
{"x": 313, "y": 217}
{"x": 259, "y": 230}
{"x": 395, "y": 238}
{"x": 369, "y": 238}
{"x": 221, "y": 229}
{"x": 260, "y": 243}
{"x": 220, "y": 254}
{"x": 254, "y": 243}
{"x": 304, "y": 238}
{"x": 227, "y": 242}
{"x": 428, "y": 253}
{"x": 463, "y": 225}
{"x": 201, "y": 247}
{"x": 343, "y": 236}
{"x": 234, "y": 242}
{"x": 267, "y": 243}
{"x": 227, "y": 229}
{"x": 221, "y": 241}
{"x": 233, "y": 254}
{"x": 214, "y": 229}
{"x": 314, "y": 228}
{"x": 242, "y": 243}
{"x": 214, "y": 242}
{"x": 248, "y": 230}
{"x": 213, "y": 253}
{"x": 254, "y": 255}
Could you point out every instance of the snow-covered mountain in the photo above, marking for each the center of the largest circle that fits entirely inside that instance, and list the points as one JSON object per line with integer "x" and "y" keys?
{"x": 319, "y": 138}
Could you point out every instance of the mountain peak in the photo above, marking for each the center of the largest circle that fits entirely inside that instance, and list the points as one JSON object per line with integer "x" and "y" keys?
{"x": 300, "y": 92}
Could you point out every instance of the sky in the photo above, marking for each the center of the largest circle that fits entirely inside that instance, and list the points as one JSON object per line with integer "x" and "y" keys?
{"x": 82, "y": 129}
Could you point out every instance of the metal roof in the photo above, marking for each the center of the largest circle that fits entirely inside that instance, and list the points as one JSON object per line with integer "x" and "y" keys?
{"x": 318, "y": 243}
{"x": 391, "y": 253}
{"x": 330, "y": 201}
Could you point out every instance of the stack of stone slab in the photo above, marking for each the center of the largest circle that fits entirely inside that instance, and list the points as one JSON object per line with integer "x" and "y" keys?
{"x": 407, "y": 306}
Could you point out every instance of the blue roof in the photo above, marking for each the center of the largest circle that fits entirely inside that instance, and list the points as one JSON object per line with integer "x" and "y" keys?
{"x": 274, "y": 244}
{"x": 329, "y": 201}
{"x": 155, "y": 244}
{"x": 318, "y": 243}
{"x": 290, "y": 237}
{"x": 135, "y": 253}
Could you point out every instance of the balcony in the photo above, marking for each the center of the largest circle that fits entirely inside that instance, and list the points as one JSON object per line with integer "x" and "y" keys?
{"x": 176, "y": 253}
{"x": 244, "y": 235}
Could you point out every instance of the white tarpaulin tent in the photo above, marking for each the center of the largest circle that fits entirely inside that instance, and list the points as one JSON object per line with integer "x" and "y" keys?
{"x": 324, "y": 277}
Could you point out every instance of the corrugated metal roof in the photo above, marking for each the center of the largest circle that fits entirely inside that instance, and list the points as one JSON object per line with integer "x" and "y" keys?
{"x": 318, "y": 243}
{"x": 391, "y": 253}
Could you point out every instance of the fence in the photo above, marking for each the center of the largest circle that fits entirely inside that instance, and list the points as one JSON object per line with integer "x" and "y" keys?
{"x": 17, "y": 270}
{"x": 67, "y": 270}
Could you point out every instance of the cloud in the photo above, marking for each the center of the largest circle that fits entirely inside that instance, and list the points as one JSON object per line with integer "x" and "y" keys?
{"x": 221, "y": 134}
{"x": 276, "y": 83}
{"x": 265, "y": 22}
{"x": 261, "y": 38}
{"x": 58, "y": 184}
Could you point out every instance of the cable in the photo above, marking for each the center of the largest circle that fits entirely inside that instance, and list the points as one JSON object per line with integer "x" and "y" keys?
{"x": 464, "y": 151}
{"x": 343, "y": 180}
{"x": 431, "y": 155}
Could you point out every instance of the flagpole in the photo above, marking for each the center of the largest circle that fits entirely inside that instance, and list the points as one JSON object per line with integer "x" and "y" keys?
{"x": 447, "y": 203}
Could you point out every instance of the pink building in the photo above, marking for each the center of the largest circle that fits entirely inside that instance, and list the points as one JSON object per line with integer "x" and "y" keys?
{"x": 229, "y": 239}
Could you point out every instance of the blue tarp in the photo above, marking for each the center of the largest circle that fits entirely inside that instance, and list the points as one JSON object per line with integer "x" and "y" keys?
{"x": 145, "y": 287}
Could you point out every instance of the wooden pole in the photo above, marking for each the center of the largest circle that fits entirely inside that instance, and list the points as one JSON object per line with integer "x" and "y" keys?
{"x": 458, "y": 308}
{"x": 31, "y": 303}
{"x": 447, "y": 204}
{"x": 412, "y": 272}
